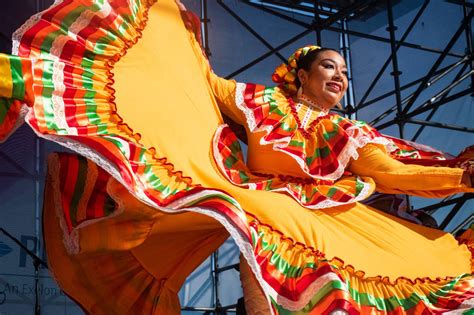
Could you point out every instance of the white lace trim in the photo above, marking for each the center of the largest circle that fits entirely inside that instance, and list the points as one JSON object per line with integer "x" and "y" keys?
{"x": 70, "y": 240}
{"x": 81, "y": 22}
{"x": 57, "y": 98}
{"x": 18, "y": 34}
{"x": 348, "y": 152}
{"x": 57, "y": 46}
{"x": 303, "y": 98}
{"x": 85, "y": 18}
{"x": 306, "y": 117}
{"x": 240, "y": 102}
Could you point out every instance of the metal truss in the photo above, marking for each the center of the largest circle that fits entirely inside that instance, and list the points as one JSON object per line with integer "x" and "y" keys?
{"x": 333, "y": 16}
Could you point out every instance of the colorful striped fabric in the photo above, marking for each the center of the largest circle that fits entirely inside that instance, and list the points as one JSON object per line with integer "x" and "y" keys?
{"x": 75, "y": 46}
{"x": 70, "y": 89}
{"x": 325, "y": 152}
{"x": 15, "y": 86}
{"x": 83, "y": 190}
{"x": 322, "y": 154}
{"x": 312, "y": 193}
{"x": 16, "y": 77}
{"x": 294, "y": 271}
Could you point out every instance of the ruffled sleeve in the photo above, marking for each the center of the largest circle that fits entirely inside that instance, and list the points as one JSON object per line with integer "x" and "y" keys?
{"x": 322, "y": 151}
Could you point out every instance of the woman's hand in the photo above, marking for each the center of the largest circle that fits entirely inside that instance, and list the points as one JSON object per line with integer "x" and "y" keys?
{"x": 468, "y": 175}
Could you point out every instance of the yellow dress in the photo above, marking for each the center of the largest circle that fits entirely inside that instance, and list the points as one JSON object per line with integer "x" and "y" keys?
{"x": 124, "y": 84}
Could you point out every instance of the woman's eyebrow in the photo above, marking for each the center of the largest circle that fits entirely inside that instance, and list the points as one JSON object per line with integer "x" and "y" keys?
{"x": 333, "y": 61}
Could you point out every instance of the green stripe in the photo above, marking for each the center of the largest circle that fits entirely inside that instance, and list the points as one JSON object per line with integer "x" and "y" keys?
{"x": 280, "y": 263}
{"x": 296, "y": 143}
{"x": 318, "y": 152}
{"x": 328, "y": 135}
{"x": 268, "y": 186}
{"x": 66, "y": 22}
{"x": 213, "y": 196}
{"x": 155, "y": 182}
{"x": 359, "y": 186}
{"x": 229, "y": 161}
{"x": 243, "y": 177}
{"x": 365, "y": 299}
{"x": 389, "y": 304}
{"x": 5, "y": 104}
{"x": 18, "y": 91}
{"x": 235, "y": 147}
{"x": 48, "y": 89}
{"x": 331, "y": 192}
{"x": 286, "y": 126}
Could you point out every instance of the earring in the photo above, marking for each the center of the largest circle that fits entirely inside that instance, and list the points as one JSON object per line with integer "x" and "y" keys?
{"x": 299, "y": 92}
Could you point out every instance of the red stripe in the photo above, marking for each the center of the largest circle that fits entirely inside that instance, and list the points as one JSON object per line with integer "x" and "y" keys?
{"x": 96, "y": 145}
{"x": 30, "y": 34}
{"x": 96, "y": 203}
{"x": 69, "y": 184}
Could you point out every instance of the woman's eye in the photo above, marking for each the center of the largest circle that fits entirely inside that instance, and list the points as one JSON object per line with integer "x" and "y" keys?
{"x": 328, "y": 66}
{"x": 345, "y": 73}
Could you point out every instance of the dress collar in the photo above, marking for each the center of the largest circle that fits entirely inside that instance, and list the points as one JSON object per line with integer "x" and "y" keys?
{"x": 303, "y": 99}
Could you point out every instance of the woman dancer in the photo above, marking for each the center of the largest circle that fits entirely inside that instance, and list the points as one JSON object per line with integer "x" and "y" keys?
{"x": 126, "y": 86}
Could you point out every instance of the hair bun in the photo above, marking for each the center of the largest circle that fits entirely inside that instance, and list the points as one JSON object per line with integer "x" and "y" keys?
{"x": 285, "y": 74}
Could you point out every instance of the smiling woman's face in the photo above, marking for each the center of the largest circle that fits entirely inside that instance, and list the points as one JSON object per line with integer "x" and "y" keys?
{"x": 326, "y": 82}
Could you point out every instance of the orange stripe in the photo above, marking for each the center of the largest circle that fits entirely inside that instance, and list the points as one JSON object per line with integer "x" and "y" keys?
{"x": 27, "y": 70}
{"x": 324, "y": 304}
{"x": 38, "y": 91}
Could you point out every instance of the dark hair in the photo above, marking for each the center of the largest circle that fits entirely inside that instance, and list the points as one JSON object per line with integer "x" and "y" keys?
{"x": 306, "y": 61}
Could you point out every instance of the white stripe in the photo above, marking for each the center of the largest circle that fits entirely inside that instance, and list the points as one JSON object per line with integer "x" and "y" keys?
{"x": 57, "y": 99}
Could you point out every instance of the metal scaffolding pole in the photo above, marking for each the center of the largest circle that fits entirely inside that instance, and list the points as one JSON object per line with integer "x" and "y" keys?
{"x": 435, "y": 109}
{"x": 317, "y": 23}
{"x": 389, "y": 59}
{"x": 250, "y": 29}
{"x": 349, "y": 32}
{"x": 438, "y": 62}
{"x": 346, "y": 53}
{"x": 395, "y": 71}
{"x": 469, "y": 41}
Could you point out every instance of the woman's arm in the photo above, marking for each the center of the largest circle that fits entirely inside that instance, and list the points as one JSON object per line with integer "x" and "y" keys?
{"x": 394, "y": 177}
